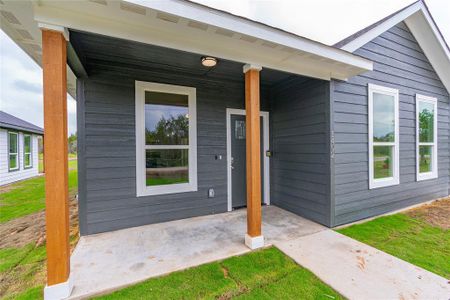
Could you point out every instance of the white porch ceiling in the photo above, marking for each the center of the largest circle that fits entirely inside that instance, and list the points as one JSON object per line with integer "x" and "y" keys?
{"x": 179, "y": 25}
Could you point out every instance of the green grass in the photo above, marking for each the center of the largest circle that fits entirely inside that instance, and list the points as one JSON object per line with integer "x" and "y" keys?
{"x": 28, "y": 196}
{"x": 30, "y": 294}
{"x": 22, "y": 270}
{"x": 380, "y": 171}
{"x": 19, "y": 267}
{"x": 265, "y": 274}
{"x": 407, "y": 238}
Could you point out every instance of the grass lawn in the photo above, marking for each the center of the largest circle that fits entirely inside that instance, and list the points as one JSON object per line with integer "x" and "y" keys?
{"x": 264, "y": 274}
{"x": 22, "y": 268}
{"x": 409, "y": 238}
{"x": 28, "y": 196}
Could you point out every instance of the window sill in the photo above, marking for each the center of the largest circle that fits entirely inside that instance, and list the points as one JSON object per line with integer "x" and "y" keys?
{"x": 426, "y": 176}
{"x": 167, "y": 189}
{"x": 385, "y": 182}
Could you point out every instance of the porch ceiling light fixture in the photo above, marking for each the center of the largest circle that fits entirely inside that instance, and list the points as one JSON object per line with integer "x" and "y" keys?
{"x": 209, "y": 61}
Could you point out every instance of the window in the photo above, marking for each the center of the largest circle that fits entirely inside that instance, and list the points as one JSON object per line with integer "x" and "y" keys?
{"x": 27, "y": 158}
{"x": 166, "y": 147}
{"x": 426, "y": 137}
{"x": 383, "y": 136}
{"x": 13, "y": 150}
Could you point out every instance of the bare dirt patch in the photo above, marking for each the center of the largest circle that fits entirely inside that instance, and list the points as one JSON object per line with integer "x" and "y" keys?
{"x": 31, "y": 228}
{"x": 436, "y": 213}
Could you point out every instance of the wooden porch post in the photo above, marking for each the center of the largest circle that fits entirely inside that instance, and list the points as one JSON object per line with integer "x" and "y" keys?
{"x": 54, "y": 60}
{"x": 253, "y": 238}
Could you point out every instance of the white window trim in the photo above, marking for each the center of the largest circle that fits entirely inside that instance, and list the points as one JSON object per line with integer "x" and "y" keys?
{"x": 13, "y": 153}
{"x": 30, "y": 153}
{"x": 383, "y": 182}
{"x": 434, "y": 173}
{"x": 141, "y": 188}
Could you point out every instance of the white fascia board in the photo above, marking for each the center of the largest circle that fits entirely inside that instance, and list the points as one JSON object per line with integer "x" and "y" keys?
{"x": 435, "y": 49}
{"x": 424, "y": 30}
{"x": 168, "y": 35}
{"x": 386, "y": 25}
{"x": 240, "y": 25}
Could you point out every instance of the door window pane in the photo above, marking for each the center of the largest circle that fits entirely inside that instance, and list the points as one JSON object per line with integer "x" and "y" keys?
{"x": 426, "y": 122}
{"x": 383, "y": 118}
{"x": 382, "y": 161}
{"x": 239, "y": 130}
{"x": 167, "y": 166}
{"x": 166, "y": 119}
{"x": 425, "y": 159}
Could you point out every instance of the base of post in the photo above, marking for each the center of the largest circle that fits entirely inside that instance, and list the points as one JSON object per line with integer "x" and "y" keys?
{"x": 254, "y": 242}
{"x": 58, "y": 291}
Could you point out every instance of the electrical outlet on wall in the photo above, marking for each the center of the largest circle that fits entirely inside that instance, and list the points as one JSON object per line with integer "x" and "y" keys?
{"x": 211, "y": 193}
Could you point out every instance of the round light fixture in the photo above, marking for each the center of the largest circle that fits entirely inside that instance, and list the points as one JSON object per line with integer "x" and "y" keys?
{"x": 209, "y": 61}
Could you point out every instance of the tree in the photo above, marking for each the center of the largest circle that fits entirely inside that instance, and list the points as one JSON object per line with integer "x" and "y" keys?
{"x": 426, "y": 131}
{"x": 171, "y": 131}
{"x": 72, "y": 143}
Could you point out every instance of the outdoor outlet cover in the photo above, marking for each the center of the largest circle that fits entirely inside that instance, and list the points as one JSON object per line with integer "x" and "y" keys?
{"x": 211, "y": 193}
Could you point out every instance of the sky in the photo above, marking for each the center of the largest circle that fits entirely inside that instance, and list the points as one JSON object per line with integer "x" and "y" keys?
{"x": 21, "y": 77}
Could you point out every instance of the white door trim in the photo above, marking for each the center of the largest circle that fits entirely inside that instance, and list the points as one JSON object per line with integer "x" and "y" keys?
{"x": 265, "y": 145}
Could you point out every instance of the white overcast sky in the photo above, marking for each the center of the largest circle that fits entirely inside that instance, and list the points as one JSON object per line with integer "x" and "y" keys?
{"x": 327, "y": 21}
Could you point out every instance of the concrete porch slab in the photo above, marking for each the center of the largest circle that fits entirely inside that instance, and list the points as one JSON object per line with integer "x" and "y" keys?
{"x": 109, "y": 261}
{"x": 359, "y": 271}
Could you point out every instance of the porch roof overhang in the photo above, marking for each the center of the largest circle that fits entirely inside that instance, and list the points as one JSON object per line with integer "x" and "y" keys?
{"x": 179, "y": 25}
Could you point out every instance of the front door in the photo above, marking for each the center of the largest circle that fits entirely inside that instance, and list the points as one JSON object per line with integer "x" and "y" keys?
{"x": 238, "y": 161}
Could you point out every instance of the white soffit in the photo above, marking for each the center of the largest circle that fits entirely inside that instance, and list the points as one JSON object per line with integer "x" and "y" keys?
{"x": 424, "y": 30}
{"x": 194, "y": 28}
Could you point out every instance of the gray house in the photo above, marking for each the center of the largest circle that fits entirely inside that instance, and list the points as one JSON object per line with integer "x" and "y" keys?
{"x": 184, "y": 110}
{"x": 324, "y": 163}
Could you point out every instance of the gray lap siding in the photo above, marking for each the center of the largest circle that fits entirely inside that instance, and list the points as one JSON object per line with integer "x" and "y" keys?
{"x": 106, "y": 126}
{"x": 398, "y": 63}
{"x": 300, "y": 165}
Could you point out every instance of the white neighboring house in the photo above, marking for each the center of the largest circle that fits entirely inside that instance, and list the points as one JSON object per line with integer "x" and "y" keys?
{"x": 19, "y": 157}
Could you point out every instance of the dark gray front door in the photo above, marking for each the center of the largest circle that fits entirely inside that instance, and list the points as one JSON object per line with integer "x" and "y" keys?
{"x": 238, "y": 162}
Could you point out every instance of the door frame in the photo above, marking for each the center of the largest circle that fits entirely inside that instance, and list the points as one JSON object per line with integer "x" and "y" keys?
{"x": 265, "y": 144}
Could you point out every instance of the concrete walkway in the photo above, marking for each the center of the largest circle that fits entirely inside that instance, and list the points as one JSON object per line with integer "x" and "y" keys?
{"x": 359, "y": 271}
{"x": 110, "y": 261}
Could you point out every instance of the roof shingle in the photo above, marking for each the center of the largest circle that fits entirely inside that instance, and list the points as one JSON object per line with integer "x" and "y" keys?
{"x": 11, "y": 122}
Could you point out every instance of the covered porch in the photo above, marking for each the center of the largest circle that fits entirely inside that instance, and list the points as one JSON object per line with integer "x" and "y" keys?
{"x": 108, "y": 261}
{"x": 115, "y": 70}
